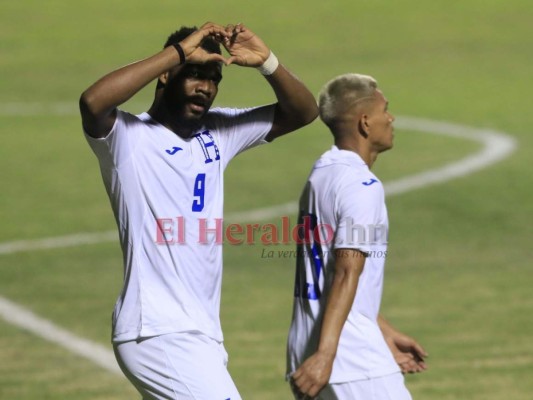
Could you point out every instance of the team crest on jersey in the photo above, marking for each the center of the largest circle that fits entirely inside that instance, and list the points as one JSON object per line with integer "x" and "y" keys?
{"x": 208, "y": 145}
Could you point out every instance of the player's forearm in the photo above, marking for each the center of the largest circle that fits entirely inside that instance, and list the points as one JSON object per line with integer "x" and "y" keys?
{"x": 120, "y": 85}
{"x": 386, "y": 328}
{"x": 340, "y": 301}
{"x": 295, "y": 101}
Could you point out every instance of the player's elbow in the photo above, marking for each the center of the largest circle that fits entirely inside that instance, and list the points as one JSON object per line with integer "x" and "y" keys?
{"x": 97, "y": 120}
{"x": 309, "y": 113}
{"x": 88, "y": 104}
{"x": 301, "y": 117}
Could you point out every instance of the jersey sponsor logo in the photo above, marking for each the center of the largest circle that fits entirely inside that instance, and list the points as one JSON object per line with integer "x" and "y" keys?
{"x": 173, "y": 150}
{"x": 208, "y": 145}
{"x": 370, "y": 182}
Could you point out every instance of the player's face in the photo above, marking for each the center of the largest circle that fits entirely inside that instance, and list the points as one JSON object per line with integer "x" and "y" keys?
{"x": 380, "y": 121}
{"x": 191, "y": 91}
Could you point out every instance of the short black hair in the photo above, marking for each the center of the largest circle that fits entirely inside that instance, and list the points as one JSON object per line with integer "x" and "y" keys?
{"x": 208, "y": 44}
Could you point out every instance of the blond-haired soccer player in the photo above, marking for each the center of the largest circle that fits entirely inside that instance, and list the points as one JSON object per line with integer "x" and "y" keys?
{"x": 339, "y": 347}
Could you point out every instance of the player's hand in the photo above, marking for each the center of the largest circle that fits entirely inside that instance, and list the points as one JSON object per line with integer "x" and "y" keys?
{"x": 245, "y": 47}
{"x": 408, "y": 354}
{"x": 308, "y": 380}
{"x": 191, "y": 45}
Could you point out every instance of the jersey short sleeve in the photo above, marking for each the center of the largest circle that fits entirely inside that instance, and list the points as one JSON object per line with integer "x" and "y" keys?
{"x": 359, "y": 213}
{"x": 241, "y": 129}
{"x": 120, "y": 143}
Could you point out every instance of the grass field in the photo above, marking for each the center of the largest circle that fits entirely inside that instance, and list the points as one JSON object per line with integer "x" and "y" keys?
{"x": 461, "y": 262}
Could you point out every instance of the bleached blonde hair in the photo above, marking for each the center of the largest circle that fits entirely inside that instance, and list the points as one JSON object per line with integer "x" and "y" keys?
{"x": 342, "y": 93}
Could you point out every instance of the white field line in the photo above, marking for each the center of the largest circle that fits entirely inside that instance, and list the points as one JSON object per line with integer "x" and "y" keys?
{"x": 496, "y": 147}
{"x": 25, "y": 319}
{"x": 57, "y": 241}
{"x": 15, "y": 109}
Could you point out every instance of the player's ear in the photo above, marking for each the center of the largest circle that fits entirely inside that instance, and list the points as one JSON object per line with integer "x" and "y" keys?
{"x": 363, "y": 126}
{"x": 163, "y": 78}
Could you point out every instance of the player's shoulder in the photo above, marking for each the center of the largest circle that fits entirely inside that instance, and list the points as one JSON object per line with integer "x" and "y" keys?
{"x": 221, "y": 112}
{"x": 123, "y": 114}
{"x": 218, "y": 115}
{"x": 221, "y": 118}
{"x": 130, "y": 119}
{"x": 339, "y": 162}
{"x": 226, "y": 117}
{"x": 348, "y": 170}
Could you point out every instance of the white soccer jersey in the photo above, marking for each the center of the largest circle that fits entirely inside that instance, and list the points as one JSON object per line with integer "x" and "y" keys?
{"x": 342, "y": 206}
{"x": 167, "y": 196}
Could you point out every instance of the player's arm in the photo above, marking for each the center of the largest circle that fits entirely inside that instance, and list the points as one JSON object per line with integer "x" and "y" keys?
{"x": 315, "y": 372}
{"x": 406, "y": 351}
{"x": 296, "y": 105}
{"x": 99, "y": 102}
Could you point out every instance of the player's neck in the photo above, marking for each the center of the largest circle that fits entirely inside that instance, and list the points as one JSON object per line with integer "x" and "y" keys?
{"x": 368, "y": 156}
{"x": 159, "y": 112}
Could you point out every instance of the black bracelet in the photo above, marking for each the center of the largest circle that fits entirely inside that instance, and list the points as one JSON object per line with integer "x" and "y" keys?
{"x": 180, "y": 52}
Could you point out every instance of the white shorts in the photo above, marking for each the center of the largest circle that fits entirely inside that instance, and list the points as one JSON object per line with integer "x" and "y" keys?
{"x": 177, "y": 366}
{"x": 389, "y": 387}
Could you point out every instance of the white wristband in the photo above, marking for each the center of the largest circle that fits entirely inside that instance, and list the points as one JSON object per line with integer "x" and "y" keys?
{"x": 270, "y": 65}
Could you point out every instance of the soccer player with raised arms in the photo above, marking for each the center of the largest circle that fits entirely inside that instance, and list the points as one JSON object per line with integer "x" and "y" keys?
{"x": 169, "y": 162}
{"x": 339, "y": 347}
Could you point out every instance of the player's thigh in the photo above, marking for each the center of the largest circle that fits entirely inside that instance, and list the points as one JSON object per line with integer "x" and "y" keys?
{"x": 182, "y": 365}
{"x": 389, "y": 387}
